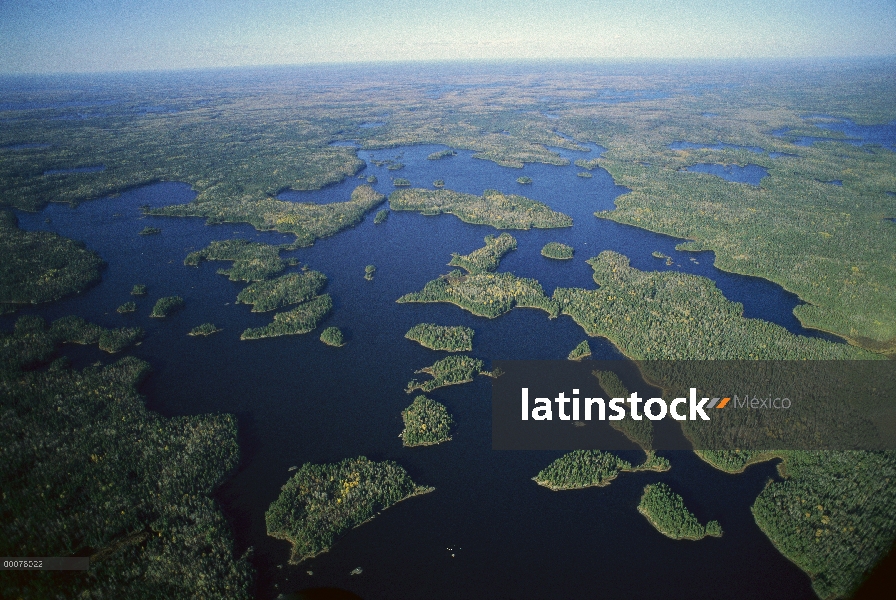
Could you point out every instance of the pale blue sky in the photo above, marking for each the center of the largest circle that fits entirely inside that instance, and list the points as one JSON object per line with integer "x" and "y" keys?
{"x": 115, "y": 35}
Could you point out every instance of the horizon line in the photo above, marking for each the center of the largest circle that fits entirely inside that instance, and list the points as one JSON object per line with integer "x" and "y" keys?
{"x": 459, "y": 61}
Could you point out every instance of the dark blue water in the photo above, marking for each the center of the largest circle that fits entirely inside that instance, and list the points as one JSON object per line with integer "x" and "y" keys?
{"x": 883, "y": 135}
{"x": 751, "y": 174}
{"x": 685, "y": 145}
{"x": 298, "y": 400}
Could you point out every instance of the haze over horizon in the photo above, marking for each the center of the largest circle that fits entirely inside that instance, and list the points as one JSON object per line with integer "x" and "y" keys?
{"x": 53, "y": 36}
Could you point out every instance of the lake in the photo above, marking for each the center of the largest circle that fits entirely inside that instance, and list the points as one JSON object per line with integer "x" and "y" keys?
{"x": 487, "y": 530}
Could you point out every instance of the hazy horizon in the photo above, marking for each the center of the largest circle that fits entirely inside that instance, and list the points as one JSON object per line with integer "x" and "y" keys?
{"x": 97, "y": 36}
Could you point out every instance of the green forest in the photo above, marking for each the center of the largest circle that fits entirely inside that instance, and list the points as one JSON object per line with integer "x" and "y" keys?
{"x": 292, "y": 288}
{"x": 301, "y": 319}
{"x": 332, "y": 336}
{"x": 307, "y": 221}
{"x": 252, "y": 261}
{"x": 485, "y": 294}
{"x": 557, "y": 251}
{"x": 39, "y": 267}
{"x": 166, "y": 306}
{"x": 450, "y": 370}
{"x": 501, "y": 211}
{"x": 488, "y": 257}
{"x": 88, "y": 471}
{"x": 426, "y": 423}
{"x": 666, "y": 511}
{"x": 320, "y": 502}
{"x": 442, "y": 337}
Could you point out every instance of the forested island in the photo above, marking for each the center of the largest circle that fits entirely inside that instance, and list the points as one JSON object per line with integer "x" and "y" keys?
{"x": 580, "y": 352}
{"x": 332, "y": 336}
{"x": 485, "y": 294}
{"x": 590, "y": 468}
{"x": 307, "y": 221}
{"x": 252, "y": 261}
{"x": 203, "y": 330}
{"x": 302, "y": 319}
{"x": 442, "y": 154}
{"x": 557, "y": 251}
{"x": 166, "y": 306}
{"x": 450, "y": 370}
{"x": 320, "y": 502}
{"x": 501, "y": 211}
{"x": 486, "y": 258}
{"x": 442, "y": 337}
{"x": 667, "y": 513}
{"x": 426, "y": 423}
{"x": 292, "y": 288}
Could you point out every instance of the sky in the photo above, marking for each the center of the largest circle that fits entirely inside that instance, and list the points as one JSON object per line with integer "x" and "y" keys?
{"x": 59, "y": 36}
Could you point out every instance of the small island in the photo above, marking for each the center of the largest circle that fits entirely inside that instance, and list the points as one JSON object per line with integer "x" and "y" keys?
{"x": 442, "y": 337}
{"x": 426, "y": 423}
{"x": 485, "y": 294}
{"x": 557, "y": 251}
{"x": 302, "y": 319}
{"x": 138, "y": 290}
{"x": 667, "y": 513}
{"x": 589, "y": 165}
{"x": 149, "y": 231}
{"x": 524, "y": 180}
{"x": 292, "y": 288}
{"x": 658, "y": 254}
{"x": 381, "y": 216}
{"x": 441, "y": 154}
{"x": 204, "y": 330}
{"x": 166, "y": 306}
{"x": 321, "y": 502}
{"x": 369, "y": 270}
{"x": 580, "y": 352}
{"x": 581, "y": 469}
{"x": 401, "y": 182}
{"x": 438, "y": 183}
{"x": 501, "y": 211}
{"x": 395, "y": 166}
{"x": 127, "y": 307}
{"x": 252, "y": 261}
{"x": 486, "y": 258}
{"x": 371, "y": 179}
{"x": 332, "y": 336}
{"x": 584, "y": 175}
{"x": 451, "y": 370}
